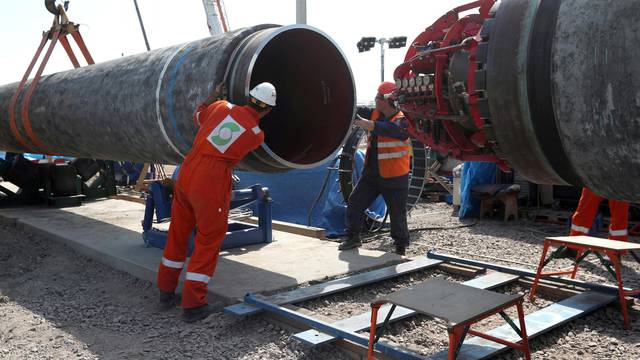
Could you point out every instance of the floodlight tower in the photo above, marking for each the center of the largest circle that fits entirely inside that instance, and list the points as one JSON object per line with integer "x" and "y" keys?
{"x": 368, "y": 42}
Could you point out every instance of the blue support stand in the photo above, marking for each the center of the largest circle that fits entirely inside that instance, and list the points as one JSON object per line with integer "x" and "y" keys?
{"x": 238, "y": 234}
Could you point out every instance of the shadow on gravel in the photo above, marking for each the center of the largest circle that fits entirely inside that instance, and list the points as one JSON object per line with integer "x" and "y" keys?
{"x": 355, "y": 258}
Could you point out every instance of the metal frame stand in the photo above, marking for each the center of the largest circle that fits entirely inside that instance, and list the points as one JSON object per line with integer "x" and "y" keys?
{"x": 583, "y": 251}
{"x": 458, "y": 332}
{"x": 238, "y": 234}
{"x": 321, "y": 332}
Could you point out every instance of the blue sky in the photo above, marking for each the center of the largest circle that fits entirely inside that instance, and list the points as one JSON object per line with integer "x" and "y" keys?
{"x": 111, "y": 29}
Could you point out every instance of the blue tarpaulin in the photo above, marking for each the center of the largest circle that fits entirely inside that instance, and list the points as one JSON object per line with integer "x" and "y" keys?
{"x": 474, "y": 173}
{"x": 31, "y": 157}
{"x": 294, "y": 193}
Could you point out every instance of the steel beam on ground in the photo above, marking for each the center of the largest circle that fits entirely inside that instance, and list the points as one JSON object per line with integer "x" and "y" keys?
{"x": 537, "y": 323}
{"x": 330, "y": 287}
{"x": 387, "y": 349}
{"x": 608, "y": 289}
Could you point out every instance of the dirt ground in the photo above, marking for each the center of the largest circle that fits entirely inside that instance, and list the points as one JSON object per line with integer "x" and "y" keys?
{"x": 57, "y": 304}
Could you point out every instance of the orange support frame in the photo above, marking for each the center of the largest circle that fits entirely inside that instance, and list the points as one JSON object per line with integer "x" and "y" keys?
{"x": 613, "y": 255}
{"x": 59, "y": 30}
{"x": 458, "y": 332}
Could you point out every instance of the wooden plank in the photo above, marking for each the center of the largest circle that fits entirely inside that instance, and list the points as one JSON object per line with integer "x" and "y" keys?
{"x": 140, "y": 183}
{"x": 330, "y": 287}
{"x": 537, "y": 323}
{"x": 363, "y": 321}
{"x": 128, "y": 198}
{"x": 596, "y": 242}
{"x": 463, "y": 270}
{"x": 529, "y": 273}
{"x": 298, "y": 229}
{"x": 550, "y": 289}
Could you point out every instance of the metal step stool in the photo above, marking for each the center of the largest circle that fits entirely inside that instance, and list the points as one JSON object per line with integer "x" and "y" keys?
{"x": 459, "y": 305}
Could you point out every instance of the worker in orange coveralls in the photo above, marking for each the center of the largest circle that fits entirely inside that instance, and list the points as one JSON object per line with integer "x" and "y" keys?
{"x": 587, "y": 209}
{"x": 202, "y": 195}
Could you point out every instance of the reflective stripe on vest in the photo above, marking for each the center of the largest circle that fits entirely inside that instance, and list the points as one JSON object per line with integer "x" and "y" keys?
{"x": 388, "y": 144}
{"x": 393, "y": 154}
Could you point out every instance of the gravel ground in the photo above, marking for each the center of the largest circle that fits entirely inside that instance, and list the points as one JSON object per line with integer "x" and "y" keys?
{"x": 56, "y": 304}
{"x": 518, "y": 244}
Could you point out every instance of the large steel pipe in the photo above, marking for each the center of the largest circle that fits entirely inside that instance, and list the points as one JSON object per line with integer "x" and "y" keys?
{"x": 140, "y": 108}
{"x": 563, "y": 83}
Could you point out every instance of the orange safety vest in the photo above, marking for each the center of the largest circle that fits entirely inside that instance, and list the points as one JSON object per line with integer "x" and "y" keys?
{"x": 393, "y": 155}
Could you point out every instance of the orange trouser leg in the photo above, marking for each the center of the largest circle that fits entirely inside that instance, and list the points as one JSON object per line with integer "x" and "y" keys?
{"x": 583, "y": 217}
{"x": 619, "y": 220}
{"x": 210, "y": 195}
{"x": 175, "y": 251}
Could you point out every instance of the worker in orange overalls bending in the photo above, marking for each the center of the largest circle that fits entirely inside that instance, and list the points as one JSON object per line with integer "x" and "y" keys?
{"x": 202, "y": 195}
{"x": 587, "y": 209}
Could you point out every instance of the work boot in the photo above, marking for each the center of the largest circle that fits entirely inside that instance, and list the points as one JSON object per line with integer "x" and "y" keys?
{"x": 401, "y": 249}
{"x": 353, "y": 241}
{"x": 198, "y": 313}
{"x": 168, "y": 300}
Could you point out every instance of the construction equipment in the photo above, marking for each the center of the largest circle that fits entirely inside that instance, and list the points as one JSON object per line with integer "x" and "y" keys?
{"x": 289, "y": 306}
{"x": 58, "y": 184}
{"x": 59, "y": 30}
{"x": 459, "y": 305}
{"x": 216, "y": 18}
{"x": 238, "y": 233}
{"x": 140, "y": 108}
{"x": 66, "y": 183}
{"x": 539, "y": 86}
{"x": 585, "y": 245}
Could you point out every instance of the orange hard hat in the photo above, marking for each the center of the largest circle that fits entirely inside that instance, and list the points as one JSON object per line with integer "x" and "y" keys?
{"x": 386, "y": 88}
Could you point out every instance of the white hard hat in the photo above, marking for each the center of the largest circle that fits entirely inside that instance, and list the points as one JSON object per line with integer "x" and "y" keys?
{"x": 264, "y": 92}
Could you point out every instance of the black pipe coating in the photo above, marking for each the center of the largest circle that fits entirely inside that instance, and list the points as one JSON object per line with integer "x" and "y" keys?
{"x": 140, "y": 108}
{"x": 563, "y": 83}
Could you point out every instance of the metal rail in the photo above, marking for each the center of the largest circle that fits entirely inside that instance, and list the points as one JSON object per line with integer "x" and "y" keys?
{"x": 540, "y": 321}
{"x": 609, "y": 289}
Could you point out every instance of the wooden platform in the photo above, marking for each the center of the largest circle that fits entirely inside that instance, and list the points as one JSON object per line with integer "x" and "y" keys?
{"x": 589, "y": 241}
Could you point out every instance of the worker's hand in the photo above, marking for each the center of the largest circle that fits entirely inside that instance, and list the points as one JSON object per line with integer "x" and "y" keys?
{"x": 364, "y": 123}
{"x": 219, "y": 93}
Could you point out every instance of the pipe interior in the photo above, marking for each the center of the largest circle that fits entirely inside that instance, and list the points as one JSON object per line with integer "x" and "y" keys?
{"x": 315, "y": 96}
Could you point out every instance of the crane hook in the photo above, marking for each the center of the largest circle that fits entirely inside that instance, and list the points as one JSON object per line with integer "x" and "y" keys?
{"x": 53, "y": 8}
